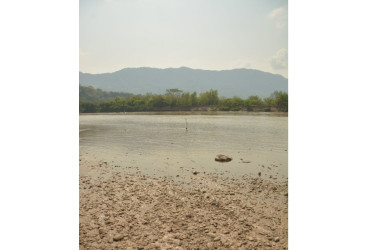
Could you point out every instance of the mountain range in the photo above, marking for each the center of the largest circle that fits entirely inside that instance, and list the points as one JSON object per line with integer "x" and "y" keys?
{"x": 236, "y": 82}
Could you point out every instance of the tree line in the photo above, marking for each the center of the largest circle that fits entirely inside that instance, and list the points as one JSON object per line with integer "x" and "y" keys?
{"x": 90, "y": 94}
{"x": 175, "y": 99}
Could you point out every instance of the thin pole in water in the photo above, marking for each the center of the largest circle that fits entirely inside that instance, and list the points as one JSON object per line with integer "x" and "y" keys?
{"x": 186, "y": 122}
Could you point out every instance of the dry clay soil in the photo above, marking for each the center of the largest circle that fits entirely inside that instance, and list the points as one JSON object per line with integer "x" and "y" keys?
{"x": 127, "y": 210}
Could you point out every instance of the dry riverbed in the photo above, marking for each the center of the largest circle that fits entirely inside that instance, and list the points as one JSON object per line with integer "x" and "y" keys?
{"x": 129, "y": 210}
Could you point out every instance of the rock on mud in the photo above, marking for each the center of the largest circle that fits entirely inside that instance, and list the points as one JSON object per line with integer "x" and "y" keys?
{"x": 118, "y": 237}
{"x": 223, "y": 158}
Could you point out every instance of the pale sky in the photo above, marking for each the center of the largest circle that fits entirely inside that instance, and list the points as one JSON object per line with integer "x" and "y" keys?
{"x": 199, "y": 34}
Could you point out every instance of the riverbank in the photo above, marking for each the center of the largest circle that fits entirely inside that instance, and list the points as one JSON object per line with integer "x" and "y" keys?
{"x": 124, "y": 210}
{"x": 195, "y": 112}
{"x": 268, "y": 109}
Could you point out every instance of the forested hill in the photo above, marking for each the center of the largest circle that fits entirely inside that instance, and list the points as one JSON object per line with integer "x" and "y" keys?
{"x": 90, "y": 94}
{"x": 229, "y": 83}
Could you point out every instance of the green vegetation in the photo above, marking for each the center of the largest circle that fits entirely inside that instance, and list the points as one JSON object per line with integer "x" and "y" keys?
{"x": 95, "y": 100}
{"x": 90, "y": 94}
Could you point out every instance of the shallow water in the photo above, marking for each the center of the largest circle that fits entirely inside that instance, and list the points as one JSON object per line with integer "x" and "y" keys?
{"x": 159, "y": 143}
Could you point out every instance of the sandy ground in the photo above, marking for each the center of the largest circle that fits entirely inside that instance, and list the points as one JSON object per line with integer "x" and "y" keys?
{"x": 124, "y": 210}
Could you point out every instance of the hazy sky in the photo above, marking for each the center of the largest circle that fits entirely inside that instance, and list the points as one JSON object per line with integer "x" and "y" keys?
{"x": 201, "y": 34}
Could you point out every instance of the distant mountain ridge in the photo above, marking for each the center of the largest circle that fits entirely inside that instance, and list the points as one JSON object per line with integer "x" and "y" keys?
{"x": 229, "y": 83}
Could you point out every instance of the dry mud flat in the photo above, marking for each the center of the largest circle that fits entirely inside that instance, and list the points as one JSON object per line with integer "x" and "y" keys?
{"x": 131, "y": 211}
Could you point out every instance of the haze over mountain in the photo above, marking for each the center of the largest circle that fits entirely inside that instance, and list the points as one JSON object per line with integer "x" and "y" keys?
{"x": 229, "y": 83}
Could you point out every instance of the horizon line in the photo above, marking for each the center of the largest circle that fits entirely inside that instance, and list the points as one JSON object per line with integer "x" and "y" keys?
{"x": 147, "y": 67}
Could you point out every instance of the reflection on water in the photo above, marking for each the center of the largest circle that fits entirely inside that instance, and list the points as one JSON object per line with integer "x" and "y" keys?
{"x": 161, "y": 143}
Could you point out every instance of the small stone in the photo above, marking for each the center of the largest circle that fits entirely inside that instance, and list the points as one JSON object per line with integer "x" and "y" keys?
{"x": 276, "y": 239}
{"x": 195, "y": 172}
{"x": 118, "y": 237}
{"x": 212, "y": 235}
{"x": 223, "y": 158}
